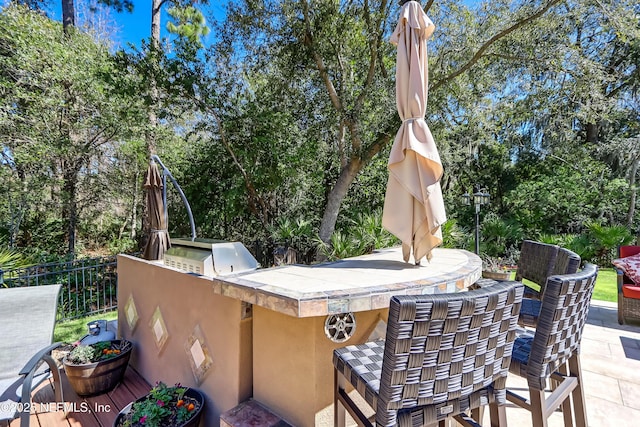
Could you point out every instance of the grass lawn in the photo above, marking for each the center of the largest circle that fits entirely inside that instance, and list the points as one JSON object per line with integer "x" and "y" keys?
{"x": 606, "y": 285}
{"x": 72, "y": 330}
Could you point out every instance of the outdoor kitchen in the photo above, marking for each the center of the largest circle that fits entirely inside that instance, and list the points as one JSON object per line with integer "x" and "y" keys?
{"x": 238, "y": 332}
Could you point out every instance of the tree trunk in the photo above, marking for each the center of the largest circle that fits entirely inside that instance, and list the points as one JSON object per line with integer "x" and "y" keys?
{"x": 70, "y": 208}
{"x": 634, "y": 192}
{"x": 153, "y": 107}
{"x": 336, "y": 196}
{"x": 134, "y": 206}
{"x": 68, "y": 15}
{"x": 592, "y": 133}
{"x": 155, "y": 23}
{"x": 153, "y": 85}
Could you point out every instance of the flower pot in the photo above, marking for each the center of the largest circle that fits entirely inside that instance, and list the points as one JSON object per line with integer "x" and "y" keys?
{"x": 194, "y": 421}
{"x": 99, "y": 377}
{"x": 496, "y": 275}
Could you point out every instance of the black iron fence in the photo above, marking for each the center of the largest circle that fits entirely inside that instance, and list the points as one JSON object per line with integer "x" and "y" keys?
{"x": 89, "y": 285}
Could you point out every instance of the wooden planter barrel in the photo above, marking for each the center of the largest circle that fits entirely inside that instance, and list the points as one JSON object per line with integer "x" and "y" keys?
{"x": 496, "y": 275}
{"x": 98, "y": 377}
{"x": 194, "y": 421}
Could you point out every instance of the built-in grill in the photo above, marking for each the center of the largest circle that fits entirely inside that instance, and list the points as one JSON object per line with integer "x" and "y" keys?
{"x": 209, "y": 257}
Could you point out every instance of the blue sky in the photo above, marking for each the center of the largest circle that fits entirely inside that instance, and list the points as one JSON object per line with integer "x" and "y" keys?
{"x": 136, "y": 26}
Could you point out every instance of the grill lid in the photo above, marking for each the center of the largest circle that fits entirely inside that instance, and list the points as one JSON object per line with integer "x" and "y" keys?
{"x": 209, "y": 257}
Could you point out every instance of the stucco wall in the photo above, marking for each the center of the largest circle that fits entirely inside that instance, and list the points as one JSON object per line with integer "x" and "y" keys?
{"x": 187, "y": 302}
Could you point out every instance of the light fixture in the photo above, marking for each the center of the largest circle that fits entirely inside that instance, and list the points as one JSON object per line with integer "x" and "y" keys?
{"x": 480, "y": 197}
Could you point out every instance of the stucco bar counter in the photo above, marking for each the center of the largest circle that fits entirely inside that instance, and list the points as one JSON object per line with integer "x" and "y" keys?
{"x": 270, "y": 333}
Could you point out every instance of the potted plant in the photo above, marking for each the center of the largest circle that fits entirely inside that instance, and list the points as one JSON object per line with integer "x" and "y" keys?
{"x": 495, "y": 268}
{"x": 97, "y": 368}
{"x": 164, "y": 406}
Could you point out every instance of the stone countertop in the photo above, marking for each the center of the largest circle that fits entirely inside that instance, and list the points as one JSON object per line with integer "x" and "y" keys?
{"x": 354, "y": 284}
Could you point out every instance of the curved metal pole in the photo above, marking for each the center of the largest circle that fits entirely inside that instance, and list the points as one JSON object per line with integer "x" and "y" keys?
{"x": 167, "y": 172}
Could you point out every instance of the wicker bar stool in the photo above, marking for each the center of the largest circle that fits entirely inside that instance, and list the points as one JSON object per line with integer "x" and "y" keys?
{"x": 567, "y": 262}
{"x": 443, "y": 355}
{"x": 536, "y": 263}
{"x": 544, "y": 355}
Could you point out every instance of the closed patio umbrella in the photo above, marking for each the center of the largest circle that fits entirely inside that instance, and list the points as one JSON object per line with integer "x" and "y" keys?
{"x": 413, "y": 207}
{"x": 158, "y": 241}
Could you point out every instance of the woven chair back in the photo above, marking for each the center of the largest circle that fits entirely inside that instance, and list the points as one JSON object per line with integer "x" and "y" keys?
{"x": 567, "y": 262}
{"x": 562, "y": 318}
{"x": 536, "y": 261}
{"x": 440, "y": 348}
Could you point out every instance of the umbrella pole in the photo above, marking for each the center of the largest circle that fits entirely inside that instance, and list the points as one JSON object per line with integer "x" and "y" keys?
{"x": 164, "y": 197}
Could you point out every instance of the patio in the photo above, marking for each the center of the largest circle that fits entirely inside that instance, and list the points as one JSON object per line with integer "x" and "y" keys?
{"x": 610, "y": 363}
{"x": 610, "y": 358}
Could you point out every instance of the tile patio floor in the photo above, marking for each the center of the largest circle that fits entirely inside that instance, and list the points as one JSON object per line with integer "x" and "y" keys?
{"x": 610, "y": 358}
{"x": 610, "y": 364}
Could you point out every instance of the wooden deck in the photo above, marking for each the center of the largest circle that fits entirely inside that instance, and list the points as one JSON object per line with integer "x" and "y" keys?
{"x": 95, "y": 411}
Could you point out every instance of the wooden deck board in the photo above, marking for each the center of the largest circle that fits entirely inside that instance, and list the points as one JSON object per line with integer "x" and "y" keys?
{"x": 121, "y": 395}
{"x": 76, "y": 411}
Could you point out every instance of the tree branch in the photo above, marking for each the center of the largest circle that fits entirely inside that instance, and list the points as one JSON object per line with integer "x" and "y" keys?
{"x": 324, "y": 74}
{"x": 254, "y": 197}
{"x": 476, "y": 57}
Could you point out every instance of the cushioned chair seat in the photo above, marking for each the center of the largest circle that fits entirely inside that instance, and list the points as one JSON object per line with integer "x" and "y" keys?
{"x": 628, "y": 291}
{"x": 631, "y": 291}
{"x": 530, "y": 312}
{"x": 442, "y": 355}
{"x": 362, "y": 365}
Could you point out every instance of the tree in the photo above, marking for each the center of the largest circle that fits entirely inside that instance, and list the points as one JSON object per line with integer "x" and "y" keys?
{"x": 339, "y": 58}
{"x": 61, "y": 111}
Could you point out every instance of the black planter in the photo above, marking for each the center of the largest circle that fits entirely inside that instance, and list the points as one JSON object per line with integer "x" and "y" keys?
{"x": 99, "y": 377}
{"x": 194, "y": 421}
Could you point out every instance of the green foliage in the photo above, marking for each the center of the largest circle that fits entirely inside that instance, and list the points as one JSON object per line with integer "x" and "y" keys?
{"x": 361, "y": 237}
{"x": 599, "y": 243}
{"x": 10, "y": 258}
{"x": 454, "y": 236}
{"x": 62, "y": 116}
{"x": 81, "y": 355}
{"x": 266, "y": 124}
{"x": 164, "y": 406}
{"x": 122, "y": 245}
{"x": 190, "y": 23}
{"x": 500, "y": 236}
{"x": 606, "y": 288}
{"x": 98, "y": 352}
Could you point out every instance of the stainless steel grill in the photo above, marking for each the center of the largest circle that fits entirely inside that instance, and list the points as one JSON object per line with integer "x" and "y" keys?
{"x": 209, "y": 257}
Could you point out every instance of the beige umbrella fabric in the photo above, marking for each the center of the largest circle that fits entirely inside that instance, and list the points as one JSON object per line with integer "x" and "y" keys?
{"x": 158, "y": 241}
{"x": 413, "y": 207}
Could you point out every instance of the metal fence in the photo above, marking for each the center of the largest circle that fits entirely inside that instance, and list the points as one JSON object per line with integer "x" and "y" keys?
{"x": 88, "y": 285}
